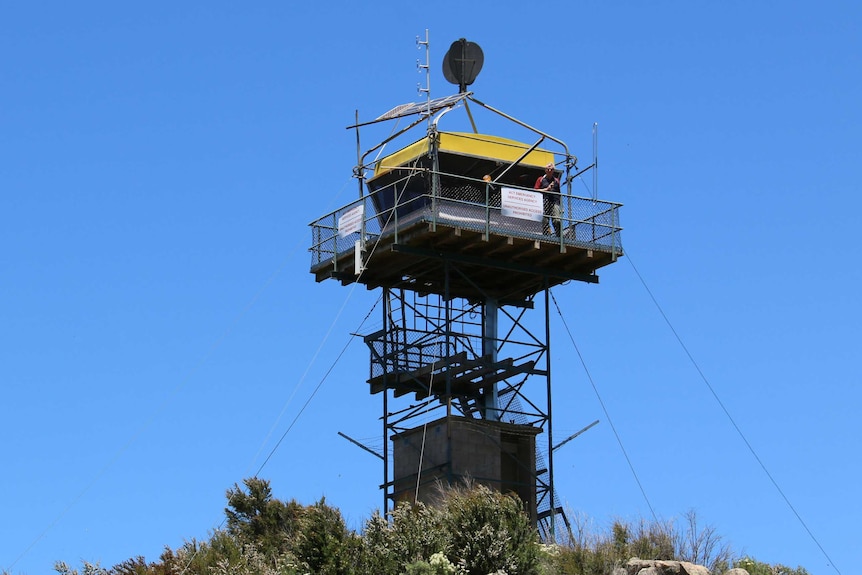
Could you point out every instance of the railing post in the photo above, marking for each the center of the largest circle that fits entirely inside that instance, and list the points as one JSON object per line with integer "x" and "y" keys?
{"x": 487, "y": 210}
{"x": 334, "y": 241}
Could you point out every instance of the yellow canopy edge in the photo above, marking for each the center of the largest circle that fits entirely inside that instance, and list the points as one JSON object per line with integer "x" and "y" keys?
{"x": 476, "y": 145}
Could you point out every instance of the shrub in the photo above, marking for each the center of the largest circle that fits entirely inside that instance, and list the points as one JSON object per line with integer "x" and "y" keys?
{"x": 322, "y": 542}
{"x": 593, "y": 552}
{"x": 414, "y": 534}
{"x": 471, "y": 531}
{"x": 489, "y": 532}
{"x": 755, "y": 567}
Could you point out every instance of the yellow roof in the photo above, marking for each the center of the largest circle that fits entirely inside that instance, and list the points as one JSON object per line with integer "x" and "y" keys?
{"x": 476, "y": 145}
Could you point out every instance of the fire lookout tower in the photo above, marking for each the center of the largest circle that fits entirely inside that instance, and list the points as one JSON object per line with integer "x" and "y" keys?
{"x": 453, "y": 230}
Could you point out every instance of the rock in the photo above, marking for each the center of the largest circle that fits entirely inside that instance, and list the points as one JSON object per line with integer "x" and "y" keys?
{"x": 636, "y": 566}
{"x": 671, "y": 568}
{"x": 692, "y": 569}
{"x": 736, "y": 571}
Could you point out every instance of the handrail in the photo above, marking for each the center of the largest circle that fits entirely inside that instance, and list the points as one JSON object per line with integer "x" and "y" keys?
{"x": 464, "y": 202}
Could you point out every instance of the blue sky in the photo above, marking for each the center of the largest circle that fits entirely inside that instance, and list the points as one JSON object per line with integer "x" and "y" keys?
{"x": 160, "y": 330}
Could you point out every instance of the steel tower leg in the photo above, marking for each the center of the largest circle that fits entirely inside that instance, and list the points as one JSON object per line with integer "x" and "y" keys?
{"x": 491, "y": 405}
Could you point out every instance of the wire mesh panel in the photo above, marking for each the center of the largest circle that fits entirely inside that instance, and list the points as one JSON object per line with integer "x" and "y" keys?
{"x": 422, "y": 332}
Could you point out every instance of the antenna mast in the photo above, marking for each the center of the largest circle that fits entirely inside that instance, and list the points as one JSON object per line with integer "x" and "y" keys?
{"x": 427, "y": 67}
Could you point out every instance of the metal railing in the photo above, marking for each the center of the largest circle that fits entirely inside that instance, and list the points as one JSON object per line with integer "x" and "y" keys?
{"x": 462, "y": 202}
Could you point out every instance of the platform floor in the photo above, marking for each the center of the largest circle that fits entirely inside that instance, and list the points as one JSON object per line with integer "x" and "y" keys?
{"x": 496, "y": 265}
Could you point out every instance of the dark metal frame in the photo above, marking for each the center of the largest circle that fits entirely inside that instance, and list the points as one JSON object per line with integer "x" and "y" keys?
{"x": 428, "y": 336}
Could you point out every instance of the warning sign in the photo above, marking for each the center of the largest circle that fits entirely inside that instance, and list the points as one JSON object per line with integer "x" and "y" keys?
{"x": 351, "y": 221}
{"x": 521, "y": 204}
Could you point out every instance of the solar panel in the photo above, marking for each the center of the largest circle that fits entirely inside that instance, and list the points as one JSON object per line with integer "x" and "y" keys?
{"x": 420, "y": 107}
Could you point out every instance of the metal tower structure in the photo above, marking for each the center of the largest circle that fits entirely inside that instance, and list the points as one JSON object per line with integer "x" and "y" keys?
{"x": 452, "y": 230}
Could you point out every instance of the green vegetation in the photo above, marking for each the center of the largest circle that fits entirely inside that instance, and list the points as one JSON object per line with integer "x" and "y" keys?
{"x": 755, "y": 567}
{"x": 591, "y": 552}
{"x": 472, "y": 531}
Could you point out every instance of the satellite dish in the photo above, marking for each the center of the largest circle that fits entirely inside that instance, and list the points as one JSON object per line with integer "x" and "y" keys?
{"x": 462, "y": 63}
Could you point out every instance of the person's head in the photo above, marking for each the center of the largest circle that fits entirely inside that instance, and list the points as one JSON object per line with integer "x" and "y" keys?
{"x": 550, "y": 169}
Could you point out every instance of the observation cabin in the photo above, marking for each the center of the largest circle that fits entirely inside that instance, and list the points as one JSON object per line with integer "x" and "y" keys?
{"x": 451, "y": 226}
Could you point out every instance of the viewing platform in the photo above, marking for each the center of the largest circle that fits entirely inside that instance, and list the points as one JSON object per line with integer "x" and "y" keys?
{"x": 419, "y": 217}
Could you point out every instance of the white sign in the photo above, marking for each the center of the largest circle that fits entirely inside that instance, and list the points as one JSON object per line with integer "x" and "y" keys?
{"x": 522, "y": 204}
{"x": 351, "y": 221}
